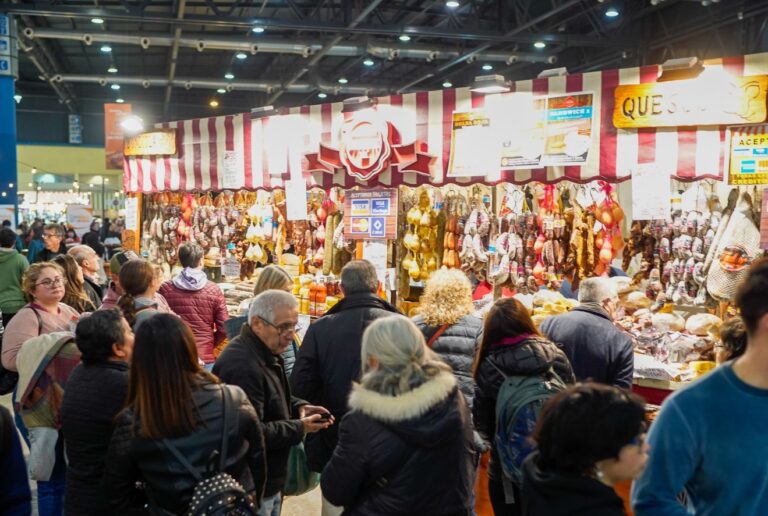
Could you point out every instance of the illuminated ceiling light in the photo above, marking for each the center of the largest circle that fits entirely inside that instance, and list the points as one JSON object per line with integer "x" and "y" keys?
{"x": 106, "y": 48}
{"x": 257, "y": 29}
{"x": 4, "y": 194}
{"x": 75, "y": 184}
{"x": 241, "y": 55}
{"x": 112, "y": 69}
{"x": 540, "y": 44}
{"x": 34, "y": 170}
{"x": 611, "y": 12}
{"x": 17, "y": 98}
{"x": 452, "y": 4}
{"x": 10, "y": 185}
{"x": 221, "y": 90}
{"x": 214, "y": 103}
{"x": 322, "y": 95}
{"x": 97, "y": 21}
{"x": 405, "y": 37}
{"x": 487, "y": 67}
{"x": 91, "y": 185}
{"x": 343, "y": 80}
{"x": 447, "y": 84}
{"x": 70, "y": 190}
{"x": 229, "y": 76}
{"x": 490, "y": 84}
{"x": 132, "y": 124}
{"x": 29, "y": 185}
{"x": 115, "y": 87}
{"x": 368, "y": 62}
{"x": 119, "y": 101}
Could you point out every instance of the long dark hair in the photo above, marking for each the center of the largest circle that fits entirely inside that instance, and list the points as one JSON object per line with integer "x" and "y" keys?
{"x": 74, "y": 287}
{"x": 164, "y": 372}
{"x": 136, "y": 276}
{"x": 508, "y": 317}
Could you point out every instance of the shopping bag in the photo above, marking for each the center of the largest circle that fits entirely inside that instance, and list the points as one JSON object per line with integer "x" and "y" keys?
{"x": 299, "y": 479}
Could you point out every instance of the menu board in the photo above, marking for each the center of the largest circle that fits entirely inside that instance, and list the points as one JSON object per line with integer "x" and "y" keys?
{"x": 749, "y": 156}
{"x": 371, "y": 214}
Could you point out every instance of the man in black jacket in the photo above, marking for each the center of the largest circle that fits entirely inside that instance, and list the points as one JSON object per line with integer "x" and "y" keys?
{"x": 597, "y": 349}
{"x": 53, "y": 242}
{"x": 92, "y": 239}
{"x": 252, "y": 361}
{"x": 329, "y": 358}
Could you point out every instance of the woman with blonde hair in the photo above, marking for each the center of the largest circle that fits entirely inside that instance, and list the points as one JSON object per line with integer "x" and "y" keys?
{"x": 406, "y": 446}
{"x": 74, "y": 284}
{"x": 447, "y": 322}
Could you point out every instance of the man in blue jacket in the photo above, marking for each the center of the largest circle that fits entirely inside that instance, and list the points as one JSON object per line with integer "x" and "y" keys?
{"x": 710, "y": 438}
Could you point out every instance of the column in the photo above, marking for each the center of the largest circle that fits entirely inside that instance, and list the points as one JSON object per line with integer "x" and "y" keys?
{"x": 8, "y": 72}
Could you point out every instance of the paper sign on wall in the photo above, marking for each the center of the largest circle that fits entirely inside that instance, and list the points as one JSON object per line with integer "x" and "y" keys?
{"x": 132, "y": 213}
{"x": 234, "y": 176}
{"x": 474, "y": 149}
{"x": 296, "y": 199}
{"x": 651, "y": 193}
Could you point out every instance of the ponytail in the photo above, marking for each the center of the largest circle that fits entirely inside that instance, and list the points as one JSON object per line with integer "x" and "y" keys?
{"x": 127, "y": 305}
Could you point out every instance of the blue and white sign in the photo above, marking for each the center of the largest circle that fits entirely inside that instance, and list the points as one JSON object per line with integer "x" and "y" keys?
{"x": 5, "y": 25}
{"x": 380, "y": 207}
{"x": 378, "y": 227}
{"x": 75, "y": 129}
{"x": 5, "y": 66}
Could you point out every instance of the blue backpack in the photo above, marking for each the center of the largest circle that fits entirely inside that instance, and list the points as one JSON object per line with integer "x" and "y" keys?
{"x": 518, "y": 404}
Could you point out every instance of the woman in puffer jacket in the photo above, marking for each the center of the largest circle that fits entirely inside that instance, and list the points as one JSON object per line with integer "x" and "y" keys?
{"x": 406, "y": 445}
{"x": 511, "y": 346}
{"x": 447, "y": 322}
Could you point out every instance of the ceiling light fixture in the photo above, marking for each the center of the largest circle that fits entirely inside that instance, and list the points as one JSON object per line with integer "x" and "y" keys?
{"x": 17, "y": 98}
{"x": 112, "y": 69}
{"x": 322, "y": 95}
{"x": 241, "y": 55}
{"x": 405, "y": 37}
{"x": 553, "y": 72}
{"x": 119, "y": 101}
{"x": 106, "y": 48}
{"x": 115, "y": 87}
{"x": 611, "y": 12}
{"x": 487, "y": 67}
{"x": 221, "y": 90}
{"x": 97, "y": 21}
{"x": 132, "y": 125}
{"x": 214, "y": 103}
{"x": 447, "y": 84}
{"x": 229, "y": 76}
{"x": 368, "y": 62}
{"x": 343, "y": 80}
{"x": 490, "y": 84}
{"x": 452, "y": 4}
{"x": 257, "y": 30}
{"x": 540, "y": 45}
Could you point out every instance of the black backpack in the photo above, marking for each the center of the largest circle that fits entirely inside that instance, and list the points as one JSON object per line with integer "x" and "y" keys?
{"x": 217, "y": 494}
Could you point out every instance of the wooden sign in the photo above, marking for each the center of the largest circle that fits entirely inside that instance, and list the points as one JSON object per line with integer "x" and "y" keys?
{"x": 161, "y": 142}
{"x": 371, "y": 214}
{"x": 723, "y": 100}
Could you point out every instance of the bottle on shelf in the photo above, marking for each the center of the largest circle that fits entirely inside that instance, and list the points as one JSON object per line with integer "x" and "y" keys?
{"x": 304, "y": 299}
{"x": 313, "y": 299}
{"x": 321, "y": 295}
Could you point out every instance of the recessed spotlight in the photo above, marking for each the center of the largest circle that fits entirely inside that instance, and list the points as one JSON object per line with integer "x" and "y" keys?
{"x": 343, "y": 80}
{"x": 112, "y": 69}
{"x": 214, "y": 103}
{"x": 540, "y": 44}
{"x": 17, "y": 98}
{"x": 257, "y": 29}
{"x": 241, "y": 55}
{"x": 611, "y": 12}
{"x": 106, "y": 48}
{"x": 487, "y": 67}
{"x": 368, "y": 62}
{"x": 452, "y": 4}
{"x": 221, "y": 90}
{"x": 229, "y": 76}
{"x": 447, "y": 84}
{"x": 4, "y": 194}
{"x": 405, "y": 37}
{"x": 10, "y": 185}
{"x": 322, "y": 95}
{"x": 119, "y": 101}
{"x": 115, "y": 86}
{"x": 97, "y": 21}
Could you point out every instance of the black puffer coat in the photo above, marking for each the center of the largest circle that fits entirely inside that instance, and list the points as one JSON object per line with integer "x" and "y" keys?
{"x": 456, "y": 346}
{"x": 329, "y": 361}
{"x": 132, "y": 458}
{"x": 531, "y": 356}
{"x": 406, "y": 455}
{"x": 95, "y": 394}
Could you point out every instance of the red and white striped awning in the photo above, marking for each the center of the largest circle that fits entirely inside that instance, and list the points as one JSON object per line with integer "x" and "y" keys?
{"x": 268, "y": 155}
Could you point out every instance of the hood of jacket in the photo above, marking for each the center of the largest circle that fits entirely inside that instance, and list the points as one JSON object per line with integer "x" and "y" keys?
{"x": 422, "y": 416}
{"x": 556, "y": 494}
{"x": 363, "y": 300}
{"x": 191, "y": 279}
{"x": 144, "y": 302}
{"x": 594, "y": 309}
{"x": 6, "y": 255}
{"x": 530, "y": 356}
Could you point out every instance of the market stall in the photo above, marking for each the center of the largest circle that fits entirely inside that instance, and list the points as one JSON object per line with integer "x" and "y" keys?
{"x": 522, "y": 190}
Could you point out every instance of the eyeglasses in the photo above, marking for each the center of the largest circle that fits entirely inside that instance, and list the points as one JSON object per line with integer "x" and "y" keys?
{"x": 51, "y": 283}
{"x": 51, "y": 235}
{"x": 283, "y": 329}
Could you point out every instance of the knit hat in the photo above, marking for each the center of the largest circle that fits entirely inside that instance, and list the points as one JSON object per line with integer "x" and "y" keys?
{"x": 117, "y": 261}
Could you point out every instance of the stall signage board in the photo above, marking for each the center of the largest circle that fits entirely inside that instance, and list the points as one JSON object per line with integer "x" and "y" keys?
{"x": 161, "y": 142}
{"x": 749, "y": 156}
{"x": 720, "y": 101}
{"x": 372, "y": 214}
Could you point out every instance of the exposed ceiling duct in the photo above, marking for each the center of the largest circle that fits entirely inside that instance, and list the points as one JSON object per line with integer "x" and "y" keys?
{"x": 202, "y": 42}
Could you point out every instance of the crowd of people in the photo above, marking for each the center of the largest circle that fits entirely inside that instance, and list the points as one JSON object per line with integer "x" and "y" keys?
{"x": 141, "y": 395}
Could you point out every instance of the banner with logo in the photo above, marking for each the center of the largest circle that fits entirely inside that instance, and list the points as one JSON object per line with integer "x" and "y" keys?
{"x": 749, "y": 156}
{"x": 113, "y": 134}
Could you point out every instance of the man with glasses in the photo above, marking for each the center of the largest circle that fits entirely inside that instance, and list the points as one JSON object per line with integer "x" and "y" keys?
{"x": 53, "y": 243}
{"x": 252, "y": 361}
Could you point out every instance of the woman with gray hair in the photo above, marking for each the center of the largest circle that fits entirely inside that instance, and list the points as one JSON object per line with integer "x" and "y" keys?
{"x": 199, "y": 302}
{"x": 406, "y": 445}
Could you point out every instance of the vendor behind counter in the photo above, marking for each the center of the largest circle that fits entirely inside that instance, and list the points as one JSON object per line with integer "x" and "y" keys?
{"x": 567, "y": 291}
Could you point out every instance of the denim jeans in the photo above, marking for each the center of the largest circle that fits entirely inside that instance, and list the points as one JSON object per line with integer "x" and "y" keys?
{"x": 50, "y": 494}
{"x": 271, "y": 506}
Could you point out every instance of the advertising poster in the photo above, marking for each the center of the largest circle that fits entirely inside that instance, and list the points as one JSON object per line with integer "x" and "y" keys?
{"x": 113, "y": 134}
{"x": 569, "y": 130}
{"x": 373, "y": 214}
{"x": 474, "y": 148}
{"x": 522, "y": 124}
{"x": 749, "y": 156}
{"x": 8, "y": 212}
{"x": 80, "y": 217}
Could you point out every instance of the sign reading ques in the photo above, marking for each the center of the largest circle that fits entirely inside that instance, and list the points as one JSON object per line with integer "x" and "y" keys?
{"x": 723, "y": 100}
{"x": 161, "y": 142}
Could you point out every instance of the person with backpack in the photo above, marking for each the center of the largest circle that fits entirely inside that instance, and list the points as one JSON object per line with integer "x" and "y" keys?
{"x": 590, "y": 437}
{"x": 15, "y": 496}
{"x": 516, "y": 372}
{"x": 196, "y": 444}
{"x": 406, "y": 445}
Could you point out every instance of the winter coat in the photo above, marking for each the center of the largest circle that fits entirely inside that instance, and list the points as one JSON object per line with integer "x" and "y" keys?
{"x": 202, "y": 306}
{"x": 35, "y": 247}
{"x": 233, "y": 325}
{"x": 12, "y": 267}
{"x": 410, "y": 454}
{"x": 95, "y": 395}
{"x": 111, "y": 297}
{"x": 15, "y": 496}
{"x": 456, "y": 346}
{"x": 596, "y": 348}
{"x": 46, "y": 256}
{"x": 531, "y": 356}
{"x": 93, "y": 290}
{"x": 132, "y": 458}
{"x": 329, "y": 361}
{"x": 249, "y": 364}
{"x": 552, "y": 494}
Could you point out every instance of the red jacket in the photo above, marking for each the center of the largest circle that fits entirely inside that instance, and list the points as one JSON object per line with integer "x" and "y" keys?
{"x": 204, "y": 310}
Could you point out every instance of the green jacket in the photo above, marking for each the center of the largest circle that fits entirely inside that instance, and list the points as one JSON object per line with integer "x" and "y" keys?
{"x": 12, "y": 267}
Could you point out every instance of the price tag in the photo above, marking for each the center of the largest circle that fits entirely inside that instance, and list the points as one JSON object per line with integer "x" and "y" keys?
{"x": 230, "y": 267}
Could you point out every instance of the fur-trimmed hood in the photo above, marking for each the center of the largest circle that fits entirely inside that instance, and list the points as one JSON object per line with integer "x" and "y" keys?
{"x": 423, "y": 416}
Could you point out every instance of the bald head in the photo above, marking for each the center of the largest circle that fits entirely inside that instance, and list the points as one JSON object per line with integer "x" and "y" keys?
{"x": 86, "y": 258}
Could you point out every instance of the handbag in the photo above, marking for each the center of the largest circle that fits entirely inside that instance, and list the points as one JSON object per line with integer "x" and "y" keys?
{"x": 299, "y": 479}
{"x": 436, "y": 335}
{"x": 9, "y": 379}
